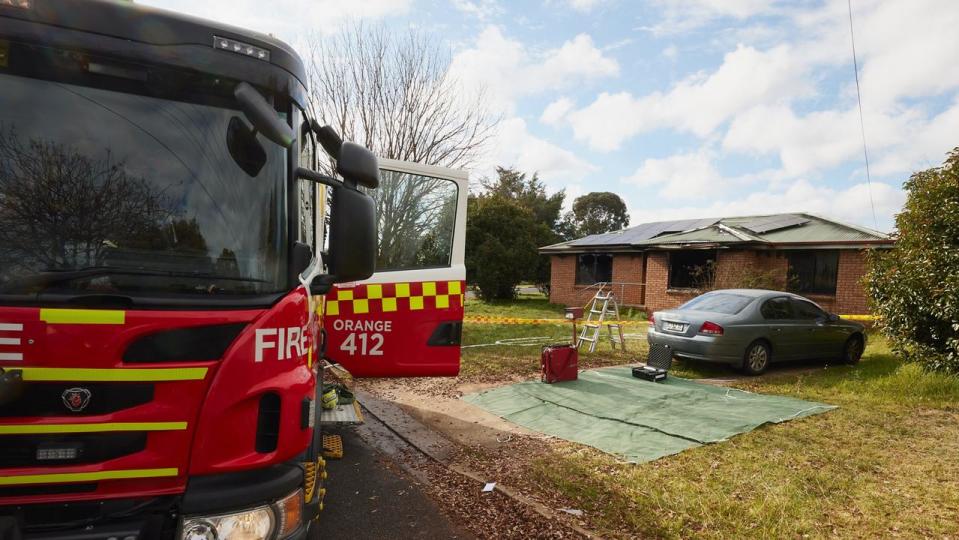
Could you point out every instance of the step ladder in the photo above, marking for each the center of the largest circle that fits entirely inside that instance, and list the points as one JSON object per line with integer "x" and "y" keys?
{"x": 603, "y": 310}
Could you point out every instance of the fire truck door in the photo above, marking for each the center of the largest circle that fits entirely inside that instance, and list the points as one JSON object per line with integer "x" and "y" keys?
{"x": 406, "y": 320}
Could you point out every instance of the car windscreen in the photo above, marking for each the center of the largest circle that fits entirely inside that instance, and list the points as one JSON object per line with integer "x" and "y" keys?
{"x": 105, "y": 191}
{"x": 727, "y": 303}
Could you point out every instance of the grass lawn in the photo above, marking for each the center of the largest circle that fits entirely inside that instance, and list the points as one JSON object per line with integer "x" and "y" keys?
{"x": 884, "y": 464}
{"x": 496, "y": 350}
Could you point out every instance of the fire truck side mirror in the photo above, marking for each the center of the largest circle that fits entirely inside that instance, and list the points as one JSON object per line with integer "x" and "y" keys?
{"x": 353, "y": 236}
{"x": 358, "y": 165}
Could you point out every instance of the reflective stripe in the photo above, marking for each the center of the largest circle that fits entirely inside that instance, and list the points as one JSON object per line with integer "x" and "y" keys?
{"x": 11, "y": 327}
{"x": 83, "y": 316}
{"x": 31, "y": 429}
{"x": 394, "y": 297}
{"x": 12, "y": 356}
{"x": 85, "y": 476}
{"x": 110, "y": 375}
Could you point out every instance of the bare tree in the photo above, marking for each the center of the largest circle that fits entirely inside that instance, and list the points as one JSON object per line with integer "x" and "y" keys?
{"x": 394, "y": 94}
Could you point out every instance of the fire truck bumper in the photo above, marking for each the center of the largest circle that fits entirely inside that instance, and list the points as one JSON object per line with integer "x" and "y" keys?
{"x": 163, "y": 518}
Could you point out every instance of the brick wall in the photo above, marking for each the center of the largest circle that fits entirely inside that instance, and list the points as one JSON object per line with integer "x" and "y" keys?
{"x": 850, "y": 297}
{"x": 628, "y": 279}
{"x": 850, "y": 294}
{"x": 730, "y": 263}
{"x": 627, "y": 269}
{"x": 562, "y": 279}
{"x": 658, "y": 295}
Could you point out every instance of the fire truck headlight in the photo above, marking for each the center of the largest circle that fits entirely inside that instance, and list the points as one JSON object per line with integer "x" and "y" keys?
{"x": 255, "y": 524}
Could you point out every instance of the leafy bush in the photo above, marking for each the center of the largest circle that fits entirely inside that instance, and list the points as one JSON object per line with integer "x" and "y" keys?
{"x": 501, "y": 242}
{"x": 914, "y": 288}
{"x": 528, "y": 192}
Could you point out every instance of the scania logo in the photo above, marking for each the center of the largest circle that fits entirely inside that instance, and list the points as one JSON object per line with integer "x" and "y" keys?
{"x": 76, "y": 399}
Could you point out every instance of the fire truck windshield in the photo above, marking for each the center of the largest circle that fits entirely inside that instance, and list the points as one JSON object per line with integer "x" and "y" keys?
{"x": 104, "y": 191}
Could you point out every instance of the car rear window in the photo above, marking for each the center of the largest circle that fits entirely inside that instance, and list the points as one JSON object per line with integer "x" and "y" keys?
{"x": 727, "y": 303}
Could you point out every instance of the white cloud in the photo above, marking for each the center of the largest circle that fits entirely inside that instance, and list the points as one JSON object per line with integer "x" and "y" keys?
{"x": 671, "y": 52}
{"x": 481, "y": 9}
{"x": 923, "y": 144}
{"x": 694, "y": 175}
{"x": 286, "y": 19}
{"x": 584, "y": 5}
{"x": 680, "y": 176}
{"x": 684, "y": 15}
{"x": 516, "y": 147}
{"x": 556, "y": 112}
{"x": 698, "y": 104}
{"x": 508, "y": 71}
{"x": 850, "y": 204}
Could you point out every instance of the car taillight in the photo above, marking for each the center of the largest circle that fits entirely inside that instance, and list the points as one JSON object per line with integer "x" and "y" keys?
{"x": 711, "y": 328}
{"x": 652, "y": 318}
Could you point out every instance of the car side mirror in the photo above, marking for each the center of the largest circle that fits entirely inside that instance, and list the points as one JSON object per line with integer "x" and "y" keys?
{"x": 353, "y": 237}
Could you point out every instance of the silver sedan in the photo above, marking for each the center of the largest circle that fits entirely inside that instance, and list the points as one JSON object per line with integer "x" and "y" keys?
{"x": 751, "y": 328}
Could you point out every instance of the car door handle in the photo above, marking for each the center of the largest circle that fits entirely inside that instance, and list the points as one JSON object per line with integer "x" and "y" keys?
{"x": 777, "y": 329}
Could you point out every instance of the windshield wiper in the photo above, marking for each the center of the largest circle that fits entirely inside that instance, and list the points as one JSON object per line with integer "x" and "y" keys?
{"x": 50, "y": 278}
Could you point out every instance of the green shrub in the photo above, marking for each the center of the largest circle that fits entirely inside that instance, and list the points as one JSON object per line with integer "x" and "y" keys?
{"x": 914, "y": 288}
{"x": 501, "y": 243}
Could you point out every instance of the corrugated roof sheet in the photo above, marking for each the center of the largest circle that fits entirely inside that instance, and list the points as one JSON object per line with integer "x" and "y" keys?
{"x": 799, "y": 228}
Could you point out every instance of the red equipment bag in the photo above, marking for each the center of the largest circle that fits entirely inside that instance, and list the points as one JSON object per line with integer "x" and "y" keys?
{"x": 559, "y": 363}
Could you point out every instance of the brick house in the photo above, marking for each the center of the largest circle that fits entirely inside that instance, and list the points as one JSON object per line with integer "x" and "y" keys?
{"x": 661, "y": 265}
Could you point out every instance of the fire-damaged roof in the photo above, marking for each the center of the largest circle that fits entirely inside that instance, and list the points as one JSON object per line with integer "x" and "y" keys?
{"x": 794, "y": 230}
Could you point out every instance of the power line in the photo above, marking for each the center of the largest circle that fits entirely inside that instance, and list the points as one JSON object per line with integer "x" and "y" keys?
{"x": 862, "y": 124}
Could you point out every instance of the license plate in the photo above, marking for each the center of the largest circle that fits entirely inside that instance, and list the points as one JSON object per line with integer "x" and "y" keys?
{"x": 674, "y": 326}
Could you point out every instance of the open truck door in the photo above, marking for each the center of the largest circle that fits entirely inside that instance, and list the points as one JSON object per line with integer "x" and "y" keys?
{"x": 406, "y": 320}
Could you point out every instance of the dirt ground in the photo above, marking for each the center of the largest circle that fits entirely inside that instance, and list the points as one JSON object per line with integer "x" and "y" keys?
{"x": 472, "y": 442}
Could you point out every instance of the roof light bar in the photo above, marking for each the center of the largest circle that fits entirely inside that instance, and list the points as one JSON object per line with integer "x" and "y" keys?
{"x": 232, "y": 45}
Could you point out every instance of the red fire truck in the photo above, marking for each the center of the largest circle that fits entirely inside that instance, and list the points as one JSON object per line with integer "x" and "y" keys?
{"x": 164, "y": 276}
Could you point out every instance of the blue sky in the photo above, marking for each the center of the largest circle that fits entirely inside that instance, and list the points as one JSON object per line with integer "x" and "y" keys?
{"x": 686, "y": 108}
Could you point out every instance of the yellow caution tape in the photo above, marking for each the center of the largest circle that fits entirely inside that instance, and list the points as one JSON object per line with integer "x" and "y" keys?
{"x": 869, "y": 318}
{"x": 515, "y": 320}
{"x": 85, "y": 476}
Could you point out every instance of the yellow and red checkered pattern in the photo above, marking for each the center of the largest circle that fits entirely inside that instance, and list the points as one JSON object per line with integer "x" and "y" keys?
{"x": 395, "y": 297}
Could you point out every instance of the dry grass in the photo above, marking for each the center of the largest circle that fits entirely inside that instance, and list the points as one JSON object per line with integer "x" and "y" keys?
{"x": 882, "y": 465}
{"x": 510, "y": 350}
{"x": 885, "y": 464}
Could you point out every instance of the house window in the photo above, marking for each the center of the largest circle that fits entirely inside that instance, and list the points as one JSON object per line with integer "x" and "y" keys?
{"x": 813, "y": 271}
{"x": 691, "y": 269}
{"x": 594, "y": 268}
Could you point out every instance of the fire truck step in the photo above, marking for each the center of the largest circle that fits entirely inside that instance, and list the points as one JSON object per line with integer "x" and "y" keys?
{"x": 343, "y": 414}
{"x": 332, "y": 446}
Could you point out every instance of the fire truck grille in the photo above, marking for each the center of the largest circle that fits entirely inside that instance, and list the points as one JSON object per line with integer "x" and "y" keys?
{"x": 68, "y": 449}
{"x": 46, "y": 399}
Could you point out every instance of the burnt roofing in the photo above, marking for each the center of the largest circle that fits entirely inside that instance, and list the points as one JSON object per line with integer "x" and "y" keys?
{"x": 769, "y": 230}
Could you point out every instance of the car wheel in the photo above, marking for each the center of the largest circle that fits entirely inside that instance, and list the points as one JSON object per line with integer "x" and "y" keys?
{"x": 852, "y": 352}
{"x": 756, "y": 359}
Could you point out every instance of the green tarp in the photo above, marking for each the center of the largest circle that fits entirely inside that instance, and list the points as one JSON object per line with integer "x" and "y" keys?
{"x": 639, "y": 420}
